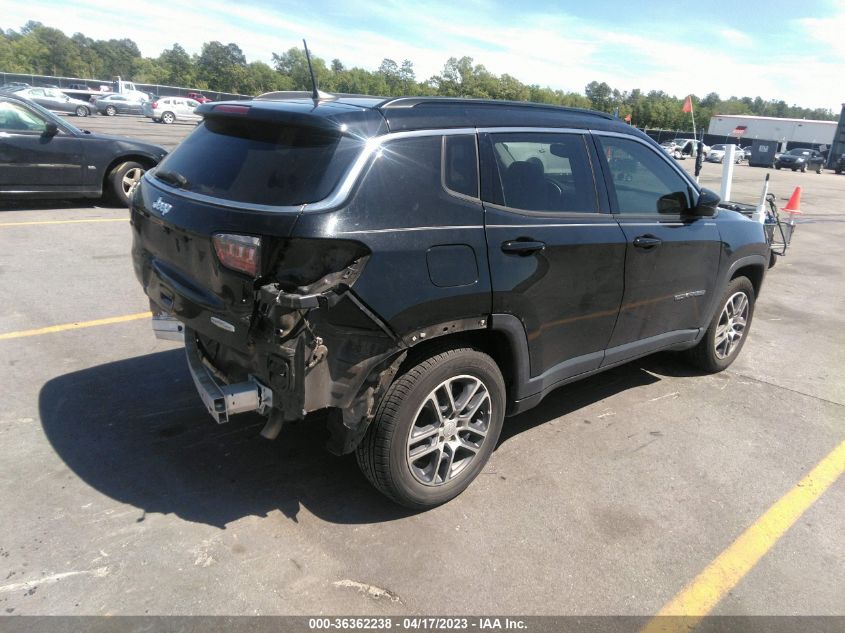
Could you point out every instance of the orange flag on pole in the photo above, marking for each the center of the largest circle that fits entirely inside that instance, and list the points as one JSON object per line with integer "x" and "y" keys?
{"x": 687, "y": 104}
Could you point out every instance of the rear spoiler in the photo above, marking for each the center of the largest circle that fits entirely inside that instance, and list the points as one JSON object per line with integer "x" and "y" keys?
{"x": 296, "y": 113}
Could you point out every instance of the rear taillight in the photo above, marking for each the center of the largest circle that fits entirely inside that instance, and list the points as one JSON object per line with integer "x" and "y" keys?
{"x": 238, "y": 252}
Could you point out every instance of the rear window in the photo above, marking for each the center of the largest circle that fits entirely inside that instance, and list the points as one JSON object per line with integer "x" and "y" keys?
{"x": 259, "y": 162}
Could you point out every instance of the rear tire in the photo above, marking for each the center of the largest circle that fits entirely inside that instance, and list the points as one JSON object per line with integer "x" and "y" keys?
{"x": 168, "y": 117}
{"x": 435, "y": 429}
{"x": 728, "y": 330}
{"x": 122, "y": 179}
{"x": 82, "y": 111}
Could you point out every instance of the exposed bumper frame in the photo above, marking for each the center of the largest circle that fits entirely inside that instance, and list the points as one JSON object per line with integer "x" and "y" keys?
{"x": 223, "y": 400}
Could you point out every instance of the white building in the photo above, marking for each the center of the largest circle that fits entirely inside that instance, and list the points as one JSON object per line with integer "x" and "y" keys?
{"x": 772, "y": 128}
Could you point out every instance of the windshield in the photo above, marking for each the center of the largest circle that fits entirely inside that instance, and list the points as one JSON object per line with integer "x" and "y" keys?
{"x": 260, "y": 162}
{"x": 799, "y": 152}
{"x": 719, "y": 148}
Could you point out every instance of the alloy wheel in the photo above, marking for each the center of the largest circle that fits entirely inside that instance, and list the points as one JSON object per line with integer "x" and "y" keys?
{"x": 131, "y": 178}
{"x": 448, "y": 430}
{"x": 731, "y": 326}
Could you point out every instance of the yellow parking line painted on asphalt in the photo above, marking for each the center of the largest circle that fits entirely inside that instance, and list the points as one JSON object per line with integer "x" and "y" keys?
{"x": 699, "y": 597}
{"x": 34, "y": 222}
{"x": 75, "y": 326}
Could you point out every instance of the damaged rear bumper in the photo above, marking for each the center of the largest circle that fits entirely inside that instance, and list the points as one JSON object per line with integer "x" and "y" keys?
{"x": 223, "y": 400}
{"x": 298, "y": 360}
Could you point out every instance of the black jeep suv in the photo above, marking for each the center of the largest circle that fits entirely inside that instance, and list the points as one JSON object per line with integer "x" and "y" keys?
{"x": 418, "y": 269}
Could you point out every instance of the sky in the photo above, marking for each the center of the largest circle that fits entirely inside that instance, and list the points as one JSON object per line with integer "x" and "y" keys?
{"x": 773, "y": 49}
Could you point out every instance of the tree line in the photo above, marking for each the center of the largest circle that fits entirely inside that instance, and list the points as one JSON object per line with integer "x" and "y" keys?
{"x": 43, "y": 50}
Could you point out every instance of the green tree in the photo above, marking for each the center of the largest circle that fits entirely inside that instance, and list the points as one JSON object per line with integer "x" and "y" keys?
{"x": 294, "y": 65}
{"x": 600, "y": 95}
{"x": 221, "y": 66}
{"x": 179, "y": 68}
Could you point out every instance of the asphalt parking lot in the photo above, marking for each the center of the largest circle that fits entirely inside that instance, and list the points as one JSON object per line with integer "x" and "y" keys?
{"x": 120, "y": 496}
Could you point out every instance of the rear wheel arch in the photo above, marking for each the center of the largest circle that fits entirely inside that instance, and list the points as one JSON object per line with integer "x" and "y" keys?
{"x": 495, "y": 343}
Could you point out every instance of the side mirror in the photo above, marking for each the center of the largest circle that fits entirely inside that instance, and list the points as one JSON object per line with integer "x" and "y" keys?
{"x": 50, "y": 128}
{"x": 708, "y": 201}
{"x": 675, "y": 203}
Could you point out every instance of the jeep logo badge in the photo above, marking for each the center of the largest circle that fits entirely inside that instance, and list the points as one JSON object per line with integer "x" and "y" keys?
{"x": 162, "y": 207}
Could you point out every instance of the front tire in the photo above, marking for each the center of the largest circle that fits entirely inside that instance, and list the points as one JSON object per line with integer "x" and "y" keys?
{"x": 435, "y": 429}
{"x": 82, "y": 111}
{"x": 123, "y": 178}
{"x": 111, "y": 111}
{"x": 728, "y": 330}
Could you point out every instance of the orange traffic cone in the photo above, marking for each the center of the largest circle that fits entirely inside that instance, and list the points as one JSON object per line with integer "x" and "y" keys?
{"x": 794, "y": 204}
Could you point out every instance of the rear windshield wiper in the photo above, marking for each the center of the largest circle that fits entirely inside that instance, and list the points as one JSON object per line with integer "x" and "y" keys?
{"x": 172, "y": 178}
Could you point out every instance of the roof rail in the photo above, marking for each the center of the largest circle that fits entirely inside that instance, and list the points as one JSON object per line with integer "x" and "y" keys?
{"x": 282, "y": 95}
{"x": 413, "y": 102}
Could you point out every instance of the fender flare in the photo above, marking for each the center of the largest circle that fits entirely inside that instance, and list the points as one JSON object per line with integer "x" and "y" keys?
{"x": 743, "y": 262}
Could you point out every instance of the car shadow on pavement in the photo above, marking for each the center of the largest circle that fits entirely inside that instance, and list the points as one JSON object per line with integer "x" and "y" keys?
{"x": 136, "y": 431}
{"x": 579, "y": 394}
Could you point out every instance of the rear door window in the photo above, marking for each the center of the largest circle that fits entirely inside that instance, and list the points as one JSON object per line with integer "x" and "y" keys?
{"x": 460, "y": 164}
{"x": 545, "y": 171}
{"x": 260, "y": 162}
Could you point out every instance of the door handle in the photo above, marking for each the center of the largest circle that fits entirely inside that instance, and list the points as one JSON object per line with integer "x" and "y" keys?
{"x": 647, "y": 241}
{"x": 522, "y": 247}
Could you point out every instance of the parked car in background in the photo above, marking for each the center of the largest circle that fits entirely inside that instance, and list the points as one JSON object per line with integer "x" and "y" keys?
{"x": 13, "y": 85}
{"x": 198, "y": 97}
{"x": 687, "y": 147}
{"x": 800, "y": 159}
{"x": 77, "y": 87}
{"x": 44, "y": 156}
{"x": 118, "y": 104}
{"x": 717, "y": 154}
{"x": 671, "y": 148}
{"x": 55, "y": 100}
{"x": 171, "y": 109}
{"x": 839, "y": 165}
